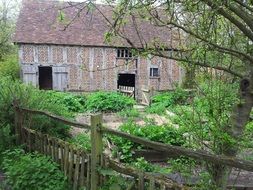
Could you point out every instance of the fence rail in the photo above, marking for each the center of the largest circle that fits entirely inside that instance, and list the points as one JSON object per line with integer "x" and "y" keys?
{"x": 67, "y": 156}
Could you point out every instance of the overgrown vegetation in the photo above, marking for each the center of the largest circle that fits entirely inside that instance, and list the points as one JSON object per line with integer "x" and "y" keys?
{"x": 83, "y": 141}
{"x": 108, "y": 102}
{"x": 162, "y": 101}
{"x": 164, "y": 134}
{"x": 9, "y": 67}
{"x": 30, "y": 97}
{"x": 32, "y": 171}
{"x": 73, "y": 103}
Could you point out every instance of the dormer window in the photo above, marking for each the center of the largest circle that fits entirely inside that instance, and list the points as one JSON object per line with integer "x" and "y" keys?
{"x": 124, "y": 53}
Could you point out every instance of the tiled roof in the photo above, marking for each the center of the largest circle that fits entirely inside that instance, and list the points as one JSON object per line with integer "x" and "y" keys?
{"x": 38, "y": 23}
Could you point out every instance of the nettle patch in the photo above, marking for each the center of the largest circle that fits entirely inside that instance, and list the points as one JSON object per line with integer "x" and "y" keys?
{"x": 164, "y": 134}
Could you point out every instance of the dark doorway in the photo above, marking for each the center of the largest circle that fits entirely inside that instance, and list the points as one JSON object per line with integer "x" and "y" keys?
{"x": 126, "y": 84}
{"x": 126, "y": 80}
{"x": 45, "y": 78}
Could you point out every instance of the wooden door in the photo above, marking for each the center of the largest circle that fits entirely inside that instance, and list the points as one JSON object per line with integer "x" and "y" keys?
{"x": 60, "y": 78}
{"x": 30, "y": 74}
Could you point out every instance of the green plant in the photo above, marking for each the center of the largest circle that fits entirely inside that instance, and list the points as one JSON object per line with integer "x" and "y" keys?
{"x": 143, "y": 165}
{"x": 115, "y": 182}
{"x": 9, "y": 67}
{"x": 32, "y": 170}
{"x": 162, "y": 101}
{"x": 82, "y": 140}
{"x": 73, "y": 103}
{"x": 129, "y": 113}
{"x": 6, "y": 140}
{"x": 108, "y": 102}
{"x": 30, "y": 97}
{"x": 163, "y": 134}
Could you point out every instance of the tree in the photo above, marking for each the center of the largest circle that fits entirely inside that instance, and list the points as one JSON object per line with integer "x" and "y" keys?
{"x": 8, "y": 14}
{"x": 214, "y": 34}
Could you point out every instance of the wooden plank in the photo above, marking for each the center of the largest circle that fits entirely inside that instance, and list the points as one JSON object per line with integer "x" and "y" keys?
{"x": 61, "y": 156}
{"x": 29, "y": 138}
{"x": 77, "y": 174}
{"x": 88, "y": 180}
{"x": 57, "y": 152}
{"x": 57, "y": 118}
{"x": 96, "y": 149}
{"x": 82, "y": 182}
{"x": 71, "y": 164}
{"x": 151, "y": 183}
{"x": 141, "y": 181}
{"x": 66, "y": 159}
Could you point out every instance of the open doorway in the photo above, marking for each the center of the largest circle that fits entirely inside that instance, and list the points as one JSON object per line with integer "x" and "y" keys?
{"x": 126, "y": 84}
{"x": 45, "y": 78}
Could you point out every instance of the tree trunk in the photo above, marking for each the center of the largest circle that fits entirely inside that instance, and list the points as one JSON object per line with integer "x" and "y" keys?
{"x": 239, "y": 119}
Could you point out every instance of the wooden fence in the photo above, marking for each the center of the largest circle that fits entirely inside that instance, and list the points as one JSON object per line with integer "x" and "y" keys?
{"x": 82, "y": 168}
{"x": 79, "y": 166}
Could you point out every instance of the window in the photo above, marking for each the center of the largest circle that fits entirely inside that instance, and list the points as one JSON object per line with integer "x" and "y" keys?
{"x": 154, "y": 72}
{"x": 124, "y": 53}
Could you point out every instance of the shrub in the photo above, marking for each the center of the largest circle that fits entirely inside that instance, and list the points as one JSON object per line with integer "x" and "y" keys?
{"x": 82, "y": 141}
{"x": 168, "y": 99}
{"x": 30, "y": 97}
{"x": 73, "y": 103}
{"x": 32, "y": 170}
{"x": 129, "y": 113}
{"x": 9, "y": 67}
{"x": 163, "y": 134}
{"x": 6, "y": 139}
{"x": 108, "y": 102}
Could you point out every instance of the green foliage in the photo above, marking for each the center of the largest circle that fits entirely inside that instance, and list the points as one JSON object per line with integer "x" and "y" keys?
{"x": 168, "y": 99}
{"x": 30, "y": 97}
{"x": 83, "y": 141}
{"x": 108, "y": 102}
{"x": 115, "y": 182}
{"x": 73, "y": 103}
{"x": 9, "y": 67}
{"x": 32, "y": 170}
{"x": 163, "y": 134}
{"x": 129, "y": 113}
{"x": 6, "y": 140}
{"x": 143, "y": 165}
{"x": 209, "y": 115}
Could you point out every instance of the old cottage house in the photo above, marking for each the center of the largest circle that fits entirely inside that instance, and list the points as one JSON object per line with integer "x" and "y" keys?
{"x": 75, "y": 57}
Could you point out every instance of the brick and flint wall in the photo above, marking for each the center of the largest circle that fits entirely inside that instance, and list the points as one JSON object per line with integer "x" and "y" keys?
{"x": 97, "y": 68}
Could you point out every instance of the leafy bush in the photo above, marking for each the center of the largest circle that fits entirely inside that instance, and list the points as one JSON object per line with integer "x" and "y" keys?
{"x": 6, "y": 140}
{"x": 32, "y": 170}
{"x": 129, "y": 113}
{"x": 30, "y": 97}
{"x": 209, "y": 115}
{"x": 9, "y": 67}
{"x": 144, "y": 165}
{"x": 82, "y": 141}
{"x": 163, "y": 134}
{"x": 167, "y": 99}
{"x": 108, "y": 102}
{"x": 73, "y": 103}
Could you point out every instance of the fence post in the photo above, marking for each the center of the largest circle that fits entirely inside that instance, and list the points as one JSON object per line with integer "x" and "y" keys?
{"x": 96, "y": 149}
{"x": 17, "y": 122}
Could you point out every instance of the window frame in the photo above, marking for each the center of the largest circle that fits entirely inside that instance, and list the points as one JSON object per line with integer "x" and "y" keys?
{"x": 151, "y": 72}
{"x": 124, "y": 53}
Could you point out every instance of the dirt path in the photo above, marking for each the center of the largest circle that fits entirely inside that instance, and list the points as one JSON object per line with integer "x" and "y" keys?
{"x": 113, "y": 120}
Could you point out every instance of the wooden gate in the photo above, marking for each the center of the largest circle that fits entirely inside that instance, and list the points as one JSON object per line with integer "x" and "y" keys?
{"x": 127, "y": 90}
{"x": 146, "y": 95}
{"x": 60, "y": 78}
{"x": 30, "y": 74}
